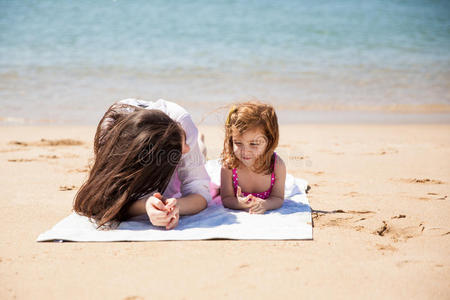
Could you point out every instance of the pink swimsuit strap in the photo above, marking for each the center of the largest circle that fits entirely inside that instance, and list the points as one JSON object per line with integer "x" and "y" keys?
{"x": 263, "y": 195}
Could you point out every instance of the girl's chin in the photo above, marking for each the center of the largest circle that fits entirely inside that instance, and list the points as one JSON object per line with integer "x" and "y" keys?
{"x": 247, "y": 162}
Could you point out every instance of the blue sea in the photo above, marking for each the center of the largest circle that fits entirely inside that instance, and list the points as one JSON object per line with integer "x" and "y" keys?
{"x": 67, "y": 61}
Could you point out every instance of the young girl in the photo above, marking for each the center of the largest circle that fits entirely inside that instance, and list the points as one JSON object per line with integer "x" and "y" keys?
{"x": 252, "y": 175}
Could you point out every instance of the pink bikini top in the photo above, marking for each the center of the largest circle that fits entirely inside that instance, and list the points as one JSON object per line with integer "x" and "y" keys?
{"x": 263, "y": 195}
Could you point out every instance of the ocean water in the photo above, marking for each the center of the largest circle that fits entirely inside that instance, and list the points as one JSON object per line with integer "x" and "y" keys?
{"x": 67, "y": 61}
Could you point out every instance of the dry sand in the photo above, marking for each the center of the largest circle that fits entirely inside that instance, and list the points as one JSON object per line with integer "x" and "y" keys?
{"x": 381, "y": 223}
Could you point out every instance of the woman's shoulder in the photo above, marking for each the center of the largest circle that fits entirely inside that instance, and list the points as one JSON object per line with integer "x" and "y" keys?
{"x": 175, "y": 111}
{"x": 172, "y": 109}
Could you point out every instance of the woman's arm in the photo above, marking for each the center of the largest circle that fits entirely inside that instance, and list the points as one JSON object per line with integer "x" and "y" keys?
{"x": 188, "y": 205}
{"x": 191, "y": 170}
{"x": 191, "y": 204}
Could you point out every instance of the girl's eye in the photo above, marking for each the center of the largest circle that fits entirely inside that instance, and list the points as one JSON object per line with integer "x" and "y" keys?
{"x": 254, "y": 145}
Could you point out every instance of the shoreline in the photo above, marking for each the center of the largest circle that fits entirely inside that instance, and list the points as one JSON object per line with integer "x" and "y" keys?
{"x": 286, "y": 116}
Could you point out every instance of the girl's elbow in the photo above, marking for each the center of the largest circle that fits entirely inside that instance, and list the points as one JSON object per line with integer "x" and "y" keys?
{"x": 279, "y": 203}
{"x": 226, "y": 202}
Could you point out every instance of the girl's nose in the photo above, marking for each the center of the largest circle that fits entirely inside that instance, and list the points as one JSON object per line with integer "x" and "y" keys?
{"x": 245, "y": 151}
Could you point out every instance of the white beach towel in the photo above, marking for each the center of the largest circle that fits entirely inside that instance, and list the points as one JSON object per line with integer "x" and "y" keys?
{"x": 290, "y": 222}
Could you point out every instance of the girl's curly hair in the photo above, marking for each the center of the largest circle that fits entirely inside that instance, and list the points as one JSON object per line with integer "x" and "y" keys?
{"x": 250, "y": 115}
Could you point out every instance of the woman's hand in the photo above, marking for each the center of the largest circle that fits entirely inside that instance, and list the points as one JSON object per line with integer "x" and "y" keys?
{"x": 161, "y": 214}
{"x": 174, "y": 212}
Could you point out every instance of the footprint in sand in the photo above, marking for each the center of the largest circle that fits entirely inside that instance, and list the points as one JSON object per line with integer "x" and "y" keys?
{"x": 398, "y": 217}
{"x": 430, "y": 198}
{"x": 133, "y": 298}
{"x": 405, "y": 262}
{"x": 398, "y": 233}
{"x": 46, "y": 142}
{"x": 13, "y": 150}
{"x": 385, "y": 151}
{"x": 327, "y": 218}
{"x": 80, "y": 170}
{"x": 18, "y": 143}
{"x": 45, "y": 157}
{"x": 420, "y": 180}
{"x": 386, "y": 247}
{"x": 67, "y": 187}
{"x": 22, "y": 160}
{"x": 352, "y": 194}
{"x": 318, "y": 173}
{"x": 297, "y": 157}
{"x": 49, "y": 156}
{"x": 70, "y": 155}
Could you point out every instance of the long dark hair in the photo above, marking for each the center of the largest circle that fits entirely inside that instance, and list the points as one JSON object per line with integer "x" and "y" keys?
{"x": 136, "y": 152}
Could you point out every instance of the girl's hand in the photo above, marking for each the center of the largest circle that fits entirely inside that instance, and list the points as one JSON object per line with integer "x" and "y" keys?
{"x": 254, "y": 204}
{"x": 157, "y": 211}
{"x": 258, "y": 206}
{"x": 244, "y": 201}
{"x": 174, "y": 212}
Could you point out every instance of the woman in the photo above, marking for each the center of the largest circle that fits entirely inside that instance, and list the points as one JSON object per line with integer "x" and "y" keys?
{"x": 147, "y": 161}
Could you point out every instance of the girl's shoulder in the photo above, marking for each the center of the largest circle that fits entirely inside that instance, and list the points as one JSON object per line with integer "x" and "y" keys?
{"x": 279, "y": 164}
{"x": 226, "y": 170}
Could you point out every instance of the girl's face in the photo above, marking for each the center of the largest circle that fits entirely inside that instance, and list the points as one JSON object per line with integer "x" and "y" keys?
{"x": 249, "y": 146}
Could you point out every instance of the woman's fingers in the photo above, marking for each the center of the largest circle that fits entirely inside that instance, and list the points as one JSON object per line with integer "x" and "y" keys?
{"x": 173, "y": 222}
{"x": 158, "y": 213}
{"x": 157, "y": 203}
{"x": 171, "y": 204}
{"x": 166, "y": 216}
{"x": 160, "y": 197}
{"x": 174, "y": 214}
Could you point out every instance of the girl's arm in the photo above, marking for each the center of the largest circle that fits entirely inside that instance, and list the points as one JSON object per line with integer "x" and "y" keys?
{"x": 227, "y": 194}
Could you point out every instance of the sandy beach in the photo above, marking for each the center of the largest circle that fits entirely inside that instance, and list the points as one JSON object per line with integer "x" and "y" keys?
{"x": 380, "y": 195}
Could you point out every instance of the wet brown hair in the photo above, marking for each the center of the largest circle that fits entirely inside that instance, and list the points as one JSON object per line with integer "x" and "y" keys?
{"x": 250, "y": 115}
{"x": 136, "y": 152}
